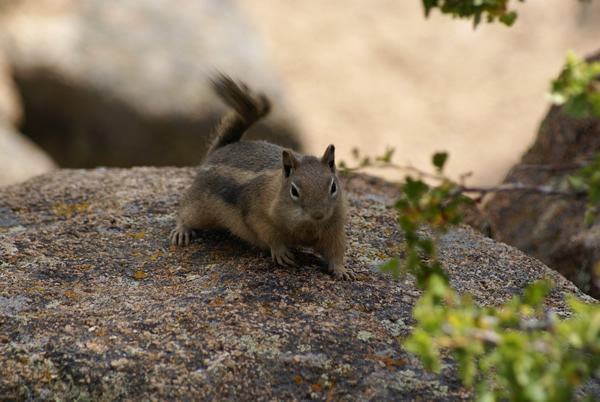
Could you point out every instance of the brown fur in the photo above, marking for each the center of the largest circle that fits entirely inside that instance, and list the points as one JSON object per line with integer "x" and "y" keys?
{"x": 268, "y": 196}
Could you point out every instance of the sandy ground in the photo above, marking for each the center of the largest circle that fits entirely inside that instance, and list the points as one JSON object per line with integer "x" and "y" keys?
{"x": 371, "y": 74}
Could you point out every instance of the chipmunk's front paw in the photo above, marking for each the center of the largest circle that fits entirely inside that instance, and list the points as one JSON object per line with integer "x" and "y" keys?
{"x": 342, "y": 273}
{"x": 181, "y": 236}
{"x": 283, "y": 256}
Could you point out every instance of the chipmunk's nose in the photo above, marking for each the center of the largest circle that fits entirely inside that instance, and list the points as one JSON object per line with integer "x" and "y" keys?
{"x": 317, "y": 215}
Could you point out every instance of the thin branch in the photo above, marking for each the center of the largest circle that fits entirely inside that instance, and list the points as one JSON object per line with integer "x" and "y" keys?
{"x": 511, "y": 187}
{"x": 501, "y": 188}
{"x": 550, "y": 168}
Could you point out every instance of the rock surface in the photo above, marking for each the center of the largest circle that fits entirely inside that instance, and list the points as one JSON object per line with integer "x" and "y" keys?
{"x": 95, "y": 304}
{"x": 552, "y": 228}
{"x": 125, "y": 83}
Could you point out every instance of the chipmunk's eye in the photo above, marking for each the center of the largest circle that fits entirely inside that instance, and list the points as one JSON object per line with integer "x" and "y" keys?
{"x": 333, "y": 188}
{"x": 294, "y": 192}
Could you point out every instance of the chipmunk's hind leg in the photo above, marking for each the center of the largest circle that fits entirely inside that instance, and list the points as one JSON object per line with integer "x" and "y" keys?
{"x": 193, "y": 214}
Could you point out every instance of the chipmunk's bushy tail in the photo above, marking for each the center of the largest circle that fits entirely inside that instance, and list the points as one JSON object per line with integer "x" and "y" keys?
{"x": 247, "y": 108}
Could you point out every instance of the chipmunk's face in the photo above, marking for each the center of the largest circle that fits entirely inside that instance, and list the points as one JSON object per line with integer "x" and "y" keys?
{"x": 311, "y": 187}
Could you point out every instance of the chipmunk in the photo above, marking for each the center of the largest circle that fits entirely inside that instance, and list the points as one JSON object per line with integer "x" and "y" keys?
{"x": 266, "y": 195}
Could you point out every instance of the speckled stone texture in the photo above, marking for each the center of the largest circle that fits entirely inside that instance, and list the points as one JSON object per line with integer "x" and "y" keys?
{"x": 95, "y": 303}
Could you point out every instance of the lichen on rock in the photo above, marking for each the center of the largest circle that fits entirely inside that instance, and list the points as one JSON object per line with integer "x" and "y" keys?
{"x": 95, "y": 303}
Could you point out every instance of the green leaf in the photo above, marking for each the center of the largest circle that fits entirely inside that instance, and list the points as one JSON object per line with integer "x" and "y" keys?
{"x": 476, "y": 18}
{"x": 408, "y": 225}
{"x": 439, "y": 159}
{"x": 428, "y": 246}
{"x": 577, "y": 107}
{"x": 508, "y": 18}
{"x": 456, "y": 219}
{"x": 387, "y": 157}
{"x": 414, "y": 189}
{"x": 555, "y": 97}
{"x": 577, "y": 183}
{"x": 577, "y": 87}
{"x": 594, "y": 100}
{"x": 535, "y": 293}
{"x": 429, "y": 4}
{"x": 589, "y": 217}
{"x": 467, "y": 368}
{"x": 394, "y": 267}
{"x": 401, "y": 204}
{"x": 421, "y": 344}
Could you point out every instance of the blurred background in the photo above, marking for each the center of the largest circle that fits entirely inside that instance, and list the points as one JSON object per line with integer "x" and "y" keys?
{"x": 383, "y": 74}
{"x": 87, "y": 83}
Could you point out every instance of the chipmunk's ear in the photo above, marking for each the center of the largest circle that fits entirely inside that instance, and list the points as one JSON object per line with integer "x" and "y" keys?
{"x": 289, "y": 162}
{"x": 329, "y": 157}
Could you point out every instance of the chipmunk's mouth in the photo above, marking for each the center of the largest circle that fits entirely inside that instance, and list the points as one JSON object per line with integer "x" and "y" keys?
{"x": 317, "y": 215}
{"x": 311, "y": 223}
